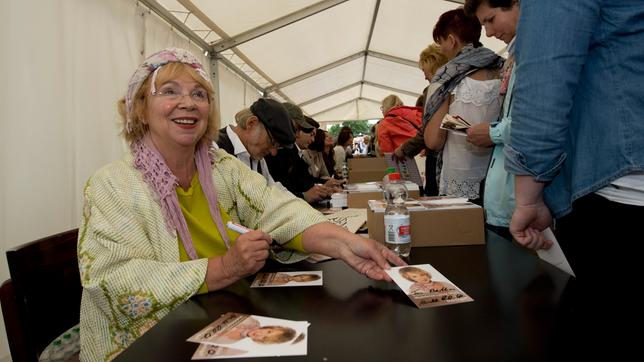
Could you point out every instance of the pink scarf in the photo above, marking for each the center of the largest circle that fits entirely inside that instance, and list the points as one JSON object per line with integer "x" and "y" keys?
{"x": 158, "y": 176}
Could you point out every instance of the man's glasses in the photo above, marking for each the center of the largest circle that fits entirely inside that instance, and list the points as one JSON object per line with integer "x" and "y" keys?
{"x": 173, "y": 93}
{"x": 274, "y": 144}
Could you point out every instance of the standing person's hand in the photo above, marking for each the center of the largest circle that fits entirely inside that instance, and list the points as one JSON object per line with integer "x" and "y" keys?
{"x": 479, "y": 135}
{"x": 398, "y": 154}
{"x": 531, "y": 215}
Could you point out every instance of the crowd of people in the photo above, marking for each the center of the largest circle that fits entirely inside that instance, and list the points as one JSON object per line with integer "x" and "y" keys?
{"x": 153, "y": 234}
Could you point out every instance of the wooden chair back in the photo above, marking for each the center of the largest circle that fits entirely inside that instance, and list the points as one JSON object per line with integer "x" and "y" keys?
{"x": 42, "y": 299}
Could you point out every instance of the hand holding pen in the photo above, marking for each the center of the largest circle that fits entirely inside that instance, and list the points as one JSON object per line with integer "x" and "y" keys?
{"x": 249, "y": 252}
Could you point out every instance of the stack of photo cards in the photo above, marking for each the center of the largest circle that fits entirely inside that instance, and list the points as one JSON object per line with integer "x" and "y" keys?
{"x": 454, "y": 123}
{"x": 426, "y": 287}
{"x": 288, "y": 279}
{"x": 236, "y": 335}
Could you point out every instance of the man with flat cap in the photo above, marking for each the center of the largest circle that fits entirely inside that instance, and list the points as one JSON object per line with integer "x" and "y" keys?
{"x": 288, "y": 167}
{"x": 260, "y": 131}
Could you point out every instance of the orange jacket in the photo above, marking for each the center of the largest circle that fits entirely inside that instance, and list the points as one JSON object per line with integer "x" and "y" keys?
{"x": 398, "y": 126}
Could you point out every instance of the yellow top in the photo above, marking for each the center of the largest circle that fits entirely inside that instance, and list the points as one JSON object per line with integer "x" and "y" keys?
{"x": 207, "y": 243}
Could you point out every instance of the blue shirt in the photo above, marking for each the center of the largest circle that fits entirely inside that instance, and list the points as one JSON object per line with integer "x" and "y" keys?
{"x": 578, "y": 108}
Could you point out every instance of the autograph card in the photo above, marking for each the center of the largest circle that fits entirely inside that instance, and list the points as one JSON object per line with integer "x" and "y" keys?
{"x": 243, "y": 335}
{"x": 427, "y": 287}
{"x": 288, "y": 279}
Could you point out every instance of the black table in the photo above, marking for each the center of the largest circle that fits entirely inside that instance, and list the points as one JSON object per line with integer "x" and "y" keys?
{"x": 521, "y": 311}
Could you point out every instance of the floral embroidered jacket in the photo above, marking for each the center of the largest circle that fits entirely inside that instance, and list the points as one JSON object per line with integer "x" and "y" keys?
{"x": 129, "y": 261}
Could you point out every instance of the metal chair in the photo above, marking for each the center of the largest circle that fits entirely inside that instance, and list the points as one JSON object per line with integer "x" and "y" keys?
{"x": 42, "y": 298}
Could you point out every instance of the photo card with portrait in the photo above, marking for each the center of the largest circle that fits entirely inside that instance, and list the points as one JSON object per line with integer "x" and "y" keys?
{"x": 288, "y": 279}
{"x": 426, "y": 286}
{"x": 237, "y": 335}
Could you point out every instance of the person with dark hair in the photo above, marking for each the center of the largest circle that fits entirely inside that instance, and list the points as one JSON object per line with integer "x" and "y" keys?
{"x": 328, "y": 155}
{"x": 500, "y": 19}
{"x": 467, "y": 86}
{"x": 313, "y": 155}
{"x": 343, "y": 148}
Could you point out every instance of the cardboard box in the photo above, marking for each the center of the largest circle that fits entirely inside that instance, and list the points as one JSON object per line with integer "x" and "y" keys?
{"x": 366, "y": 169}
{"x": 444, "y": 226}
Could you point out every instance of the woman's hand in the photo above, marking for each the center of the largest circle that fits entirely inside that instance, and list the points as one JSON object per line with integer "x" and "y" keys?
{"x": 247, "y": 256}
{"x": 366, "y": 256}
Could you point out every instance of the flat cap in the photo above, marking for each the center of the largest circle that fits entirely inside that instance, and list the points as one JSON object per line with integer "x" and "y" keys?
{"x": 297, "y": 116}
{"x": 276, "y": 119}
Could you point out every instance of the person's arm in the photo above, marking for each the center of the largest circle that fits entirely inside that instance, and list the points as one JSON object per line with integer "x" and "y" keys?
{"x": 480, "y": 135}
{"x": 250, "y": 202}
{"x": 531, "y": 215}
{"x": 411, "y": 147}
{"x": 547, "y": 74}
{"x": 125, "y": 251}
{"x": 366, "y": 256}
{"x": 435, "y": 136}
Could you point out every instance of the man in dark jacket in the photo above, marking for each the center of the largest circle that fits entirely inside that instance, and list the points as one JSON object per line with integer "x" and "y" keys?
{"x": 288, "y": 167}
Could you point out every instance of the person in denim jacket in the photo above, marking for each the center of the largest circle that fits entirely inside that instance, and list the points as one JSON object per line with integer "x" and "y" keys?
{"x": 577, "y": 141}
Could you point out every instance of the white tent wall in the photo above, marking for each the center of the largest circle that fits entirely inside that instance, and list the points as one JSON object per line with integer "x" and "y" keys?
{"x": 65, "y": 64}
{"x": 235, "y": 94}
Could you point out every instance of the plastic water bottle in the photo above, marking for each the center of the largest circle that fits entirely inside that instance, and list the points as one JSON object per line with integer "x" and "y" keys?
{"x": 397, "y": 220}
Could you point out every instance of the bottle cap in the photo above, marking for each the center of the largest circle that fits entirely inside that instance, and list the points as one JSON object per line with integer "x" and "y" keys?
{"x": 390, "y": 170}
{"x": 394, "y": 176}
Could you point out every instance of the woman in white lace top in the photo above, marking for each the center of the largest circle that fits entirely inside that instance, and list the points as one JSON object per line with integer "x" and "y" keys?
{"x": 470, "y": 84}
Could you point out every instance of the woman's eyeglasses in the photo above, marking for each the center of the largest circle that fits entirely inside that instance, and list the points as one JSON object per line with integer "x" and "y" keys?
{"x": 172, "y": 93}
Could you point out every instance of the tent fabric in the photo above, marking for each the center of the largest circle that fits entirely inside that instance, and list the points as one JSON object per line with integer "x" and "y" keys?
{"x": 382, "y": 38}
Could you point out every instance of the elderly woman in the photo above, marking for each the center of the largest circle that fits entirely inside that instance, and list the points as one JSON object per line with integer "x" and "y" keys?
{"x": 153, "y": 234}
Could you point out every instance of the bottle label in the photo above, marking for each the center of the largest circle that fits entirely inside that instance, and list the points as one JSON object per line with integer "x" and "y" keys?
{"x": 397, "y": 229}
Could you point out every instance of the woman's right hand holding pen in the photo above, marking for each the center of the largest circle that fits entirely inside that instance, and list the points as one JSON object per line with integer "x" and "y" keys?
{"x": 245, "y": 257}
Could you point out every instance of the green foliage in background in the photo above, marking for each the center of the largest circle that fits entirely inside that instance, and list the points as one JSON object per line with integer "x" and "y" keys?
{"x": 358, "y": 128}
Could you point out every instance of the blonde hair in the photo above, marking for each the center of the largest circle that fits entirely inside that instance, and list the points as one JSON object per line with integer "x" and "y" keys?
{"x": 431, "y": 58}
{"x": 390, "y": 102}
{"x": 285, "y": 334}
{"x": 138, "y": 125}
{"x": 404, "y": 272}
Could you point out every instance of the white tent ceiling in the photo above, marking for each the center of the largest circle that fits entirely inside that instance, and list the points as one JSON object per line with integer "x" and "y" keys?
{"x": 337, "y": 59}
